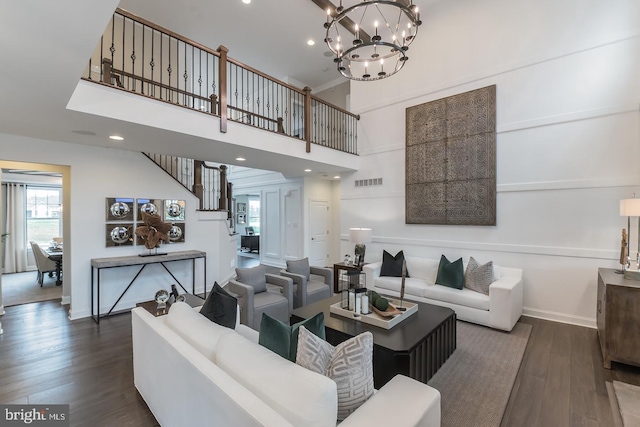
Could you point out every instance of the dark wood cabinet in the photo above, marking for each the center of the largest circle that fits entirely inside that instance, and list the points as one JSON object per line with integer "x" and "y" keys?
{"x": 618, "y": 318}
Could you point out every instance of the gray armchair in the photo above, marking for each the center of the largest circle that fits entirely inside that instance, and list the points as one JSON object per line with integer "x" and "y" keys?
{"x": 259, "y": 293}
{"x": 310, "y": 284}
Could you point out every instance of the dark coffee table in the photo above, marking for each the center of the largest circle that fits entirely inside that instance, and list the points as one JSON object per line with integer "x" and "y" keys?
{"x": 416, "y": 347}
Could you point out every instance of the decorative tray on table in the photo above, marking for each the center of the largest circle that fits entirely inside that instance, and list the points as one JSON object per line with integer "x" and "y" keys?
{"x": 386, "y": 319}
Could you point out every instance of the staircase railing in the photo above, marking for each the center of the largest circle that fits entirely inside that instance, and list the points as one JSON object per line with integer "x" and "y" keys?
{"x": 209, "y": 183}
{"x": 139, "y": 56}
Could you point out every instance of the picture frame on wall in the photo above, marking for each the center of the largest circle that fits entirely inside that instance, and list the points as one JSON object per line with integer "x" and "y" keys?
{"x": 241, "y": 218}
{"x": 242, "y": 207}
{"x": 119, "y": 208}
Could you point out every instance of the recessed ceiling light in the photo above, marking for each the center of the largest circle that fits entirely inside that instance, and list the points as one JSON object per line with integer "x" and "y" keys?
{"x": 310, "y": 42}
{"x": 246, "y": 1}
{"x": 336, "y": 177}
{"x": 240, "y": 159}
{"x": 307, "y": 170}
{"x": 116, "y": 137}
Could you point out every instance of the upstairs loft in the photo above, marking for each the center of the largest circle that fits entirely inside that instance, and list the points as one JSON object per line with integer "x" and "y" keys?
{"x": 214, "y": 107}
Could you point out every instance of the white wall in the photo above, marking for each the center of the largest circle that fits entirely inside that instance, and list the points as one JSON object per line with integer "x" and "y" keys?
{"x": 97, "y": 173}
{"x": 281, "y": 221}
{"x": 284, "y": 230}
{"x": 568, "y": 90}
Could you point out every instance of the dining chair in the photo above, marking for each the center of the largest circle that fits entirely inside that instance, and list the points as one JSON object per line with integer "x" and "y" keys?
{"x": 43, "y": 262}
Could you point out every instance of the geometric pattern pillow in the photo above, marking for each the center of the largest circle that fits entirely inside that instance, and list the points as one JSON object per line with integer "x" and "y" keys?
{"x": 478, "y": 277}
{"x": 349, "y": 364}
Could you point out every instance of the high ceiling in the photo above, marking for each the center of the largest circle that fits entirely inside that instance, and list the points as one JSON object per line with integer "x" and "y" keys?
{"x": 45, "y": 47}
{"x": 270, "y": 35}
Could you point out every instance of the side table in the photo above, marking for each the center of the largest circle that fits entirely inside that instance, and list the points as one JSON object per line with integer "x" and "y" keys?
{"x": 618, "y": 317}
{"x": 152, "y": 306}
{"x": 342, "y": 266}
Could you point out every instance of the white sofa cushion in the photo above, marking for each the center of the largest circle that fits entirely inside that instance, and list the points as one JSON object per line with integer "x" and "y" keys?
{"x": 464, "y": 296}
{"x": 411, "y": 286}
{"x": 421, "y": 268}
{"x": 194, "y": 328}
{"x": 309, "y": 399}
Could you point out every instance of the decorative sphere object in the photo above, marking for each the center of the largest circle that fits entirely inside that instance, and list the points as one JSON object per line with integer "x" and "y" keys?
{"x": 162, "y": 296}
{"x": 120, "y": 235}
{"x": 119, "y": 209}
{"x": 174, "y": 210}
{"x": 149, "y": 208}
{"x": 175, "y": 233}
{"x": 181, "y": 298}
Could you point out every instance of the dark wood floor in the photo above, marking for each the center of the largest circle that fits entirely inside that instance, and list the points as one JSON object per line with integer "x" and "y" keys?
{"x": 46, "y": 359}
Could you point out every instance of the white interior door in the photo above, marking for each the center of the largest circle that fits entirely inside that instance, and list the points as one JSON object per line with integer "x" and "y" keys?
{"x": 319, "y": 231}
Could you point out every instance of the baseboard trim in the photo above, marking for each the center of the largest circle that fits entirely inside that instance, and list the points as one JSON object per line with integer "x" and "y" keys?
{"x": 65, "y": 300}
{"x": 553, "y": 316}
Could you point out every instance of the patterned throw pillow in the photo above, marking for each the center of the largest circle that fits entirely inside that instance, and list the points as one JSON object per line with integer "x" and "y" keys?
{"x": 350, "y": 365}
{"x": 478, "y": 277}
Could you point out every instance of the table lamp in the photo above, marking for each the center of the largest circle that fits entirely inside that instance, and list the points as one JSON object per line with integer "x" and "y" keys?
{"x": 629, "y": 208}
{"x": 360, "y": 236}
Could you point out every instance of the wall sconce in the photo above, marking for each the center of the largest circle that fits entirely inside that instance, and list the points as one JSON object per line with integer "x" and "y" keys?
{"x": 360, "y": 236}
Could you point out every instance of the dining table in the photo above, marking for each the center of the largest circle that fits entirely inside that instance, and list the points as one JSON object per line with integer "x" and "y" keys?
{"x": 55, "y": 255}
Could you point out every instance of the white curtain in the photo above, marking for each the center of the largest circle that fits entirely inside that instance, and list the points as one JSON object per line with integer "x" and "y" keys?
{"x": 15, "y": 256}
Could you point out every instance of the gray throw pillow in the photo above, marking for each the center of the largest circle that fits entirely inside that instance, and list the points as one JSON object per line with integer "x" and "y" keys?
{"x": 254, "y": 276}
{"x": 300, "y": 266}
{"x": 349, "y": 364}
{"x": 220, "y": 307}
{"x": 478, "y": 277}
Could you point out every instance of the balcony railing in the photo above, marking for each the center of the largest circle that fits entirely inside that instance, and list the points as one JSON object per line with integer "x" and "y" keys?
{"x": 138, "y": 56}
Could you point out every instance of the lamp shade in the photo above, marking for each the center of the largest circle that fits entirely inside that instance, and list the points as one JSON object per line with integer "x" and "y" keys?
{"x": 630, "y": 207}
{"x": 361, "y": 235}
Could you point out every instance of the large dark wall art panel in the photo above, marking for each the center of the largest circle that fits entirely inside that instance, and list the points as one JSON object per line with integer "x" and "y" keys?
{"x": 451, "y": 160}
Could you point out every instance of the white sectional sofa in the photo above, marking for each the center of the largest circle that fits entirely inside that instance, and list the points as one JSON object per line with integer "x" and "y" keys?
{"x": 501, "y": 309}
{"x": 193, "y": 372}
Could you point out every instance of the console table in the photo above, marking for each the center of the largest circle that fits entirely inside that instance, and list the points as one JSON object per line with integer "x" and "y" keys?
{"x": 618, "y": 318}
{"x": 98, "y": 264}
{"x": 250, "y": 242}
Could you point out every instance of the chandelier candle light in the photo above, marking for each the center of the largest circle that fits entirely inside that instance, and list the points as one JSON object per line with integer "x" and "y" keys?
{"x": 371, "y": 38}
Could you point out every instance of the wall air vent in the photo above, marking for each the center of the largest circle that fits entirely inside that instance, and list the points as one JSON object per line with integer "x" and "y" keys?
{"x": 368, "y": 182}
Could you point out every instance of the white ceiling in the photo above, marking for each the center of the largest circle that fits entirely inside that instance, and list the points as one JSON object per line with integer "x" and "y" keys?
{"x": 45, "y": 47}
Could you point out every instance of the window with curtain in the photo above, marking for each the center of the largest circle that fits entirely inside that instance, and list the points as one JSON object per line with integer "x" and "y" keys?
{"x": 43, "y": 213}
{"x": 254, "y": 215}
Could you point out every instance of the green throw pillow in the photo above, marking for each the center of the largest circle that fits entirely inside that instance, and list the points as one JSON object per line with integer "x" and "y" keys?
{"x": 450, "y": 274}
{"x": 282, "y": 339}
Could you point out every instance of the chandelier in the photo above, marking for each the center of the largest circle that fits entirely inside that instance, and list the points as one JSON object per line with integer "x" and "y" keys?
{"x": 370, "y": 39}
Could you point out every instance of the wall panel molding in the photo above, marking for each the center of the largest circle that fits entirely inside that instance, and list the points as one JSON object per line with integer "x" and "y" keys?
{"x": 520, "y": 187}
{"x": 500, "y": 69}
{"x": 556, "y": 251}
{"x": 539, "y": 122}
{"x": 568, "y": 117}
